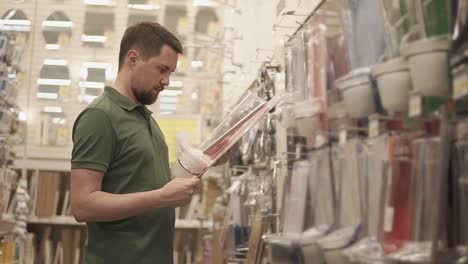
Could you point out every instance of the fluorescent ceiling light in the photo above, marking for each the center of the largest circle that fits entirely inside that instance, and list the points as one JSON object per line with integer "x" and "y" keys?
{"x": 55, "y": 62}
{"x": 93, "y": 38}
{"x": 176, "y": 84}
{"x": 52, "y": 109}
{"x": 54, "y": 82}
{"x": 167, "y": 99}
{"x": 22, "y": 116}
{"x": 47, "y": 95}
{"x": 202, "y": 3}
{"x": 19, "y": 28}
{"x": 59, "y": 24}
{"x": 97, "y": 65}
{"x": 144, "y": 6}
{"x": 197, "y": 64}
{"x": 96, "y": 85}
{"x": 171, "y": 92}
{"x": 58, "y": 120}
{"x": 52, "y": 46}
{"x": 168, "y": 106}
{"x": 15, "y": 22}
{"x": 99, "y": 2}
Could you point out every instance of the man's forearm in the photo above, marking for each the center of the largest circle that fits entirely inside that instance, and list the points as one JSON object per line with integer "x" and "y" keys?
{"x": 102, "y": 207}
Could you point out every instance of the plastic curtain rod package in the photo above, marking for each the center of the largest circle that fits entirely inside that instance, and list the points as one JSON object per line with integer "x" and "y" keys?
{"x": 233, "y": 127}
{"x": 296, "y": 198}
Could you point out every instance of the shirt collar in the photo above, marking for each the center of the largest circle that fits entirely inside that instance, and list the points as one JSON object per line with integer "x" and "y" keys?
{"x": 123, "y": 101}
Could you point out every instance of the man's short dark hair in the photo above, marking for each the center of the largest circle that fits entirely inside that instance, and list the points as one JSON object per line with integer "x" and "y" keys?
{"x": 148, "y": 38}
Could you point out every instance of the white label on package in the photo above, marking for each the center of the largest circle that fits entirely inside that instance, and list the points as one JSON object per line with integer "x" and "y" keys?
{"x": 388, "y": 221}
{"x": 342, "y": 137}
{"x": 415, "y": 105}
{"x": 373, "y": 127}
{"x": 460, "y": 86}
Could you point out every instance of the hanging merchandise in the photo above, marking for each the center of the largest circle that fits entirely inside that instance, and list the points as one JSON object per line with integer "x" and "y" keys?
{"x": 460, "y": 32}
{"x": 363, "y": 29}
{"x": 358, "y": 93}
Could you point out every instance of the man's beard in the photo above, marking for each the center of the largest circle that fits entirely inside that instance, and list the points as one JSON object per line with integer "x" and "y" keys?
{"x": 145, "y": 97}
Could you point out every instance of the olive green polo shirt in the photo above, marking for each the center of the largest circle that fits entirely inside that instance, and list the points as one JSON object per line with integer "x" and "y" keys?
{"x": 121, "y": 139}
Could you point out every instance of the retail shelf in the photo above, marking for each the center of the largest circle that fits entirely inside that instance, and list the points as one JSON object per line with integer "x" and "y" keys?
{"x": 54, "y": 220}
{"x": 68, "y": 220}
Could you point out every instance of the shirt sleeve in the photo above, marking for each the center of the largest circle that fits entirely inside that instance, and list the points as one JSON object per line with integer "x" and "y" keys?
{"x": 93, "y": 141}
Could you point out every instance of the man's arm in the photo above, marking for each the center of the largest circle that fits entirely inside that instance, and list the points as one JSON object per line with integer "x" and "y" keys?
{"x": 90, "y": 204}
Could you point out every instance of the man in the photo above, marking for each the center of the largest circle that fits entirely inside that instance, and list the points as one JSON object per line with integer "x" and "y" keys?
{"x": 120, "y": 180}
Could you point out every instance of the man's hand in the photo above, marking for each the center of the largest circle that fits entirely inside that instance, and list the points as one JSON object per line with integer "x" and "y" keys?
{"x": 179, "y": 191}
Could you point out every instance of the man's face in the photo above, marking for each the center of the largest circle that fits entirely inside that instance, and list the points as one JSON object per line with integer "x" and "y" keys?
{"x": 149, "y": 77}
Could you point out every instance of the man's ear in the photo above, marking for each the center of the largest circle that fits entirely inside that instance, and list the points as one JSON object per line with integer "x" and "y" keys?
{"x": 132, "y": 56}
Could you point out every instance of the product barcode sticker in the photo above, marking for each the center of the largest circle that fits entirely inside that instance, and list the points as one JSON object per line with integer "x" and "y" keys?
{"x": 373, "y": 127}
{"x": 342, "y": 137}
{"x": 388, "y": 221}
{"x": 415, "y": 105}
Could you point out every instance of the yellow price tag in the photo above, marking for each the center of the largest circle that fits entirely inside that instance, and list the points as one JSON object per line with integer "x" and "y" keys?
{"x": 62, "y": 133}
{"x": 21, "y": 39}
{"x": 64, "y": 92}
{"x": 213, "y": 28}
{"x": 63, "y": 39}
{"x": 460, "y": 86}
{"x": 182, "y": 26}
{"x": 373, "y": 127}
{"x": 415, "y": 105}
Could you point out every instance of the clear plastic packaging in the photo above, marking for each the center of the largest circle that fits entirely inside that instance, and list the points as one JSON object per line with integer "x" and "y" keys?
{"x": 245, "y": 115}
{"x": 364, "y": 31}
{"x": 296, "y": 199}
{"x": 401, "y": 24}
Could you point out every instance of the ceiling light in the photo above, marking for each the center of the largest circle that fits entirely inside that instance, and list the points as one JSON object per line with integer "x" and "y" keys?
{"x": 54, "y": 82}
{"x": 144, "y": 7}
{"x": 55, "y": 62}
{"x": 202, "y": 3}
{"x": 99, "y": 2}
{"x": 93, "y": 38}
{"x": 15, "y": 22}
{"x": 197, "y": 64}
{"x": 171, "y": 92}
{"x": 52, "y": 46}
{"x": 97, "y": 65}
{"x": 60, "y": 24}
{"x": 58, "y": 121}
{"x": 96, "y": 85}
{"x": 47, "y": 95}
{"x": 52, "y": 109}
{"x": 176, "y": 84}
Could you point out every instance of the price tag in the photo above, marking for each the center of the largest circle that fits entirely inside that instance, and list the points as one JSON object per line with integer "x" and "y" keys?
{"x": 415, "y": 105}
{"x": 182, "y": 26}
{"x": 62, "y": 133}
{"x": 342, "y": 137}
{"x": 373, "y": 127}
{"x": 63, "y": 39}
{"x": 213, "y": 28}
{"x": 64, "y": 92}
{"x": 460, "y": 86}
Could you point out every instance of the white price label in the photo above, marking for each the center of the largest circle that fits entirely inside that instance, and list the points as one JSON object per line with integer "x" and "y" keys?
{"x": 415, "y": 105}
{"x": 388, "y": 221}
{"x": 373, "y": 127}
{"x": 342, "y": 137}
